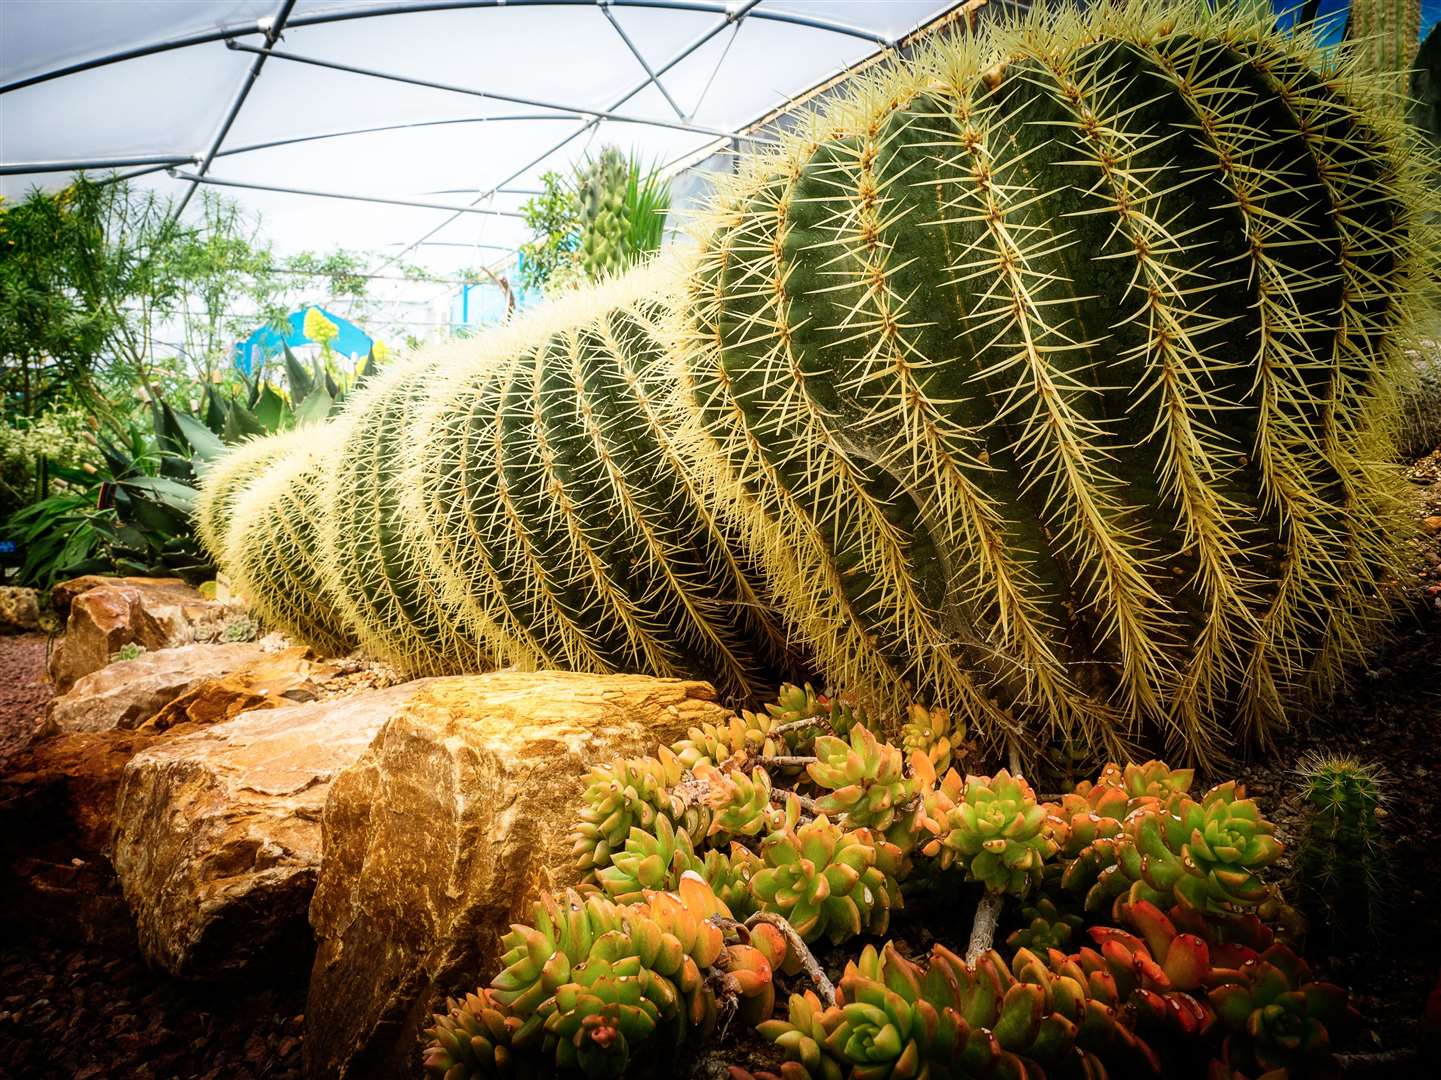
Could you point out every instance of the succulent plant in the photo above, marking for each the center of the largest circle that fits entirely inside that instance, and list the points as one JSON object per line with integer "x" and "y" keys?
{"x": 795, "y": 704}
{"x": 864, "y": 779}
{"x": 827, "y": 882}
{"x": 632, "y": 793}
{"x": 473, "y": 1039}
{"x": 1279, "y": 1020}
{"x": 1083, "y": 497}
{"x": 650, "y": 860}
{"x": 1203, "y": 854}
{"x": 591, "y": 985}
{"x": 740, "y": 804}
{"x": 994, "y": 828}
{"x": 1343, "y": 858}
{"x": 891, "y": 1018}
{"x": 933, "y": 733}
{"x": 1045, "y": 927}
{"x": 742, "y": 735}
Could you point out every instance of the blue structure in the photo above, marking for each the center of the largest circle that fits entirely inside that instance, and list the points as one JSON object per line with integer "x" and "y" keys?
{"x": 265, "y": 342}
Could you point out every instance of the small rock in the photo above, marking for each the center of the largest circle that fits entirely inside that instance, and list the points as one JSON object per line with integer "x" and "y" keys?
{"x": 127, "y": 693}
{"x": 19, "y": 609}
{"x": 1431, "y": 525}
{"x": 153, "y": 614}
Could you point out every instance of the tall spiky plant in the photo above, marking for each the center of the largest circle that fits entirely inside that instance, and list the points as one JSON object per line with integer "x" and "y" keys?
{"x": 622, "y": 209}
{"x": 555, "y": 515}
{"x": 1049, "y": 373}
{"x": 1343, "y": 859}
{"x": 1385, "y": 35}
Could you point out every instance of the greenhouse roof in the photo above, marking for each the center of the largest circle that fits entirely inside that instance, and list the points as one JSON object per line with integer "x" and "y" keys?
{"x": 450, "y": 109}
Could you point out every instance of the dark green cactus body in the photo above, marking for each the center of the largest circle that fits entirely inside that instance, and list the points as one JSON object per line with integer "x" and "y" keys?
{"x": 370, "y": 549}
{"x": 558, "y": 509}
{"x": 1068, "y": 354}
{"x": 274, "y": 546}
{"x": 1343, "y": 859}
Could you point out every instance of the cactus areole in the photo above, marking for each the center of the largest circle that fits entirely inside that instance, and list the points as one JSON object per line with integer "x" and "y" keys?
{"x": 1055, "y": 365}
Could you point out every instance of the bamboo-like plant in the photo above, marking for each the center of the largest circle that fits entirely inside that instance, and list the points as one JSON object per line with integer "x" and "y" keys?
{"x": 1050, "y": 373}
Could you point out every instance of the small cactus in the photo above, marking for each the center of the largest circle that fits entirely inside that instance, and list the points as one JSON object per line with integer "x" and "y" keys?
{"x": 1342, "y": 858}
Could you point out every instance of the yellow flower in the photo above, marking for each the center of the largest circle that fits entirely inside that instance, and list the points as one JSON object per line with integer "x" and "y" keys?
{"x": 318, "y": 328}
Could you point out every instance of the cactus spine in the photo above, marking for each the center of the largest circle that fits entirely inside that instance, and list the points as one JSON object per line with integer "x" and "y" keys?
{"x": 1342, "y": 857}
{"x": 556, "y": 513}
{"x": 369, "y": 551}
{"x": 225, "y": 481}
{"x": 274, "y": 541}
{"x": 1061, "y": 357}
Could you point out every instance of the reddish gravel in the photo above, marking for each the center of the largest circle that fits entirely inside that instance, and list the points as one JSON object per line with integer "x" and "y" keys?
{"x": 24, "y": 690}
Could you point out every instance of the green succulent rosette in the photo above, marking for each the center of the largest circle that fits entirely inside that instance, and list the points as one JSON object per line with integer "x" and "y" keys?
{"x": 631, "y": 794}
{"x": 1045, "y": 927}
{"x": 827, "y": 882}
{"x": 740, "y": 804}
{"x": 649, "y": 861}
{"x": 864, "y": 779}
{"x": 935, "y": 734}
{"x": 994, "y": 828}
{"x": 1279, "y": 1020}
{"x": 1204, "y": 855}
{"x": 472, "y": 1039}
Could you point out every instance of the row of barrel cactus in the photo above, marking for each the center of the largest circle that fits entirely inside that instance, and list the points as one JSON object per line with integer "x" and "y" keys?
{"x": 1049, "y": 379}
{"x": 1146, "y": 940}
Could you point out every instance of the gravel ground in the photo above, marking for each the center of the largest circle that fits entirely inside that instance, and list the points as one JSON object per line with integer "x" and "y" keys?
{"x": 24, "y": 690}
{"x": 86, "y": 1015}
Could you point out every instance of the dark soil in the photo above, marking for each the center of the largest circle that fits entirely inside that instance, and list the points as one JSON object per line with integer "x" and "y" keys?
{"x": 87, "y": 1011}
{"x": 24, "y": 690}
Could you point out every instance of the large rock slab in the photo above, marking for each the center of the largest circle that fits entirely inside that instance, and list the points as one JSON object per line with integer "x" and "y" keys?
{"x": 443, "y": 833}
{"x": 217, "y": 832}
{"x": 64, "y": 592}
{"x": 151, "y": 614}
{"x": 126, "y": 693}
{"x": 273, "y": 680}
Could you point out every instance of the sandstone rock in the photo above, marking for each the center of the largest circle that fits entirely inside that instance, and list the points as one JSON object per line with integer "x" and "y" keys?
{"x": 19, "y": 609}
{"x": 64, "y": 592}
{"x": 151, "y": 614}
{"x": 128, "y": 692}
{"x": 442, "y": 834}
{"x": 217, "y": 832}
{"x": 272, "y": 680}
{"x": 1431, "y": 525}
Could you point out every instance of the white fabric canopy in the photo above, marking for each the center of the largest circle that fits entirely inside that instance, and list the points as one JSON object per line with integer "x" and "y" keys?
{"x": 563, "y": 57}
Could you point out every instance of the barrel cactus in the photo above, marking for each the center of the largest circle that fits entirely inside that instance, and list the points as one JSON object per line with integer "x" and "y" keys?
{"x": 554, "y": 514}
{"x": 225, "y": 481}
{"x": 1049, "y": 373}
{"x": 273, "y": 545}
{"x": 369, "y": 552}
